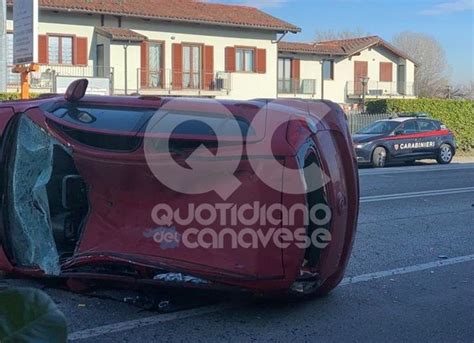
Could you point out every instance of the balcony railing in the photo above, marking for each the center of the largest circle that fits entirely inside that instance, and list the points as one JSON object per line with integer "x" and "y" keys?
{"x": 380, "y": 89}
{"x": 172, "y": 80}
{"x": 297, "y": 86}
{"x": 44, "y": 78}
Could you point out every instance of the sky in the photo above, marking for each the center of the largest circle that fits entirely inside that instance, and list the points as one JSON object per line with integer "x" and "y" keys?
{"x": 451, "y": 22}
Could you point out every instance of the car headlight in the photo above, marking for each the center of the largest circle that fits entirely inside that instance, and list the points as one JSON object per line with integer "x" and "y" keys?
{"x": 360, "y": 145}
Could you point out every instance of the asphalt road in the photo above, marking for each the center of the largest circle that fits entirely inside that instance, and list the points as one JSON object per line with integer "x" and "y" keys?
{"x": 410, "y": 278}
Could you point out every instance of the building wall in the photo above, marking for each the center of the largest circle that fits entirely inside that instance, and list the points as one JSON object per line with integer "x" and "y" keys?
{"x": 336, "y": 90}
{"x": 244, "y": 85}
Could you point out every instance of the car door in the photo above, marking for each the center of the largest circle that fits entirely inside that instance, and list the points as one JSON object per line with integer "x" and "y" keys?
{"x": 404, "y": 141}
{"x": 428, "y": 141}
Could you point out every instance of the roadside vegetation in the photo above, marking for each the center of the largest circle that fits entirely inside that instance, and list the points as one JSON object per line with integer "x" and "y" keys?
{"x": 14, "y": 96}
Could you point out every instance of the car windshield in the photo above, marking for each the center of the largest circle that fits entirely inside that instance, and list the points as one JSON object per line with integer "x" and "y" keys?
{"x": 379, "y": 127}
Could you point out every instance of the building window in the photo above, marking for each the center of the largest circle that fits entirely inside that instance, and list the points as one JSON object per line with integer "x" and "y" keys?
{"x": 328, "y": 70}
{"x": 191, "y": 66}
{"x": 284, "y": 75}
{"x": 155, "y": 64}
{"x": 60, "y": 50}
{"x": 245, "y": 59}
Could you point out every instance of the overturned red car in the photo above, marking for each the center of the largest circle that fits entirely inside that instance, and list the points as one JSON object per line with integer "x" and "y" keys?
{"x": 257, "y": 195}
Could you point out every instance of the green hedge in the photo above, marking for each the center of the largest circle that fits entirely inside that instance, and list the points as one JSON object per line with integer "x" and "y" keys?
{"x": 14, "y": 96}
{"x": 458, "y": 115}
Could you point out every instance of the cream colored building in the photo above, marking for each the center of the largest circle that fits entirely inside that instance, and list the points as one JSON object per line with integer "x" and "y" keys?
{"x": 192, "y": 48}
{"x": 161, "y": 47}
{"x": 335, "y": 70}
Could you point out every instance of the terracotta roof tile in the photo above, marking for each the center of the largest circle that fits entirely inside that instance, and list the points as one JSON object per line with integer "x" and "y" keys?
{"x": 176, "y": 10}
{"x": 344, "y": 47}
{"x": 120, "y": 34}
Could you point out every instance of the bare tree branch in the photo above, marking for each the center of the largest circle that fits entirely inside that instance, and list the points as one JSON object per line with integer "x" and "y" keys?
{"x": 431, "y": 73}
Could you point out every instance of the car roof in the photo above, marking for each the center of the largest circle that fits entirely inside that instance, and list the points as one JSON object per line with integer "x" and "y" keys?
{"x": 403, "y": 119}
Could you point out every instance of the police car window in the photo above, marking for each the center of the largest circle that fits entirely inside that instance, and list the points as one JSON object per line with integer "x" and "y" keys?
{"x": 409, "y": 127}
{"x": 427, "y": 125}
{"x": 379, "y": 127}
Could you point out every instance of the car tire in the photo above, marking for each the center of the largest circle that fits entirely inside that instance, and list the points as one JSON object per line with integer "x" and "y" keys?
{"x": 445, "y": 154}
{"x": 379, "y": 157}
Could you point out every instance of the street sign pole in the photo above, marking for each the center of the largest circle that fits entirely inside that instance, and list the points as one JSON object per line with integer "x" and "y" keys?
{"x": 25, "y": 41}
{"x": 3, "y": 46}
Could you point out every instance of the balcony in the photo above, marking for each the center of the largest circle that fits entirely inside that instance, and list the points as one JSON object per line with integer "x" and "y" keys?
{"x": 380, "y": 89}
{"x": 297, "y": 87}
{"x": 171, "y": 82}
{"x": 44, "y": 80}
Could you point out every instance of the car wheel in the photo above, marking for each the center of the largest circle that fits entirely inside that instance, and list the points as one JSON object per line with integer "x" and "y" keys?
{"x": 379, "y": 157}
{"x": 445, "y": 154}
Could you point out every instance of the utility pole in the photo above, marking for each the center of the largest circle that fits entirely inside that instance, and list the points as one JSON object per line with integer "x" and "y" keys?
{"x": 3, "y": 46}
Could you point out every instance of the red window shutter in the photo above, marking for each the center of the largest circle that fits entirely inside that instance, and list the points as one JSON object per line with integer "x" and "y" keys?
{"x": 295, "y": 69}
{"x": 80, "y": 50}
{"x": 261, "y": 65}
{"x": 177, "y": 65}
{"x": 208, "y": 67}
{"x": 42, "y": 49}
{"x": 386, "y": 72}
{"x": 144, "y": 64}
{"x": 230, "y": 59}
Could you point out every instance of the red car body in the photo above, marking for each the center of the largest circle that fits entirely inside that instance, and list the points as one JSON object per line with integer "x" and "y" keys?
{"x": 112, "y": 201}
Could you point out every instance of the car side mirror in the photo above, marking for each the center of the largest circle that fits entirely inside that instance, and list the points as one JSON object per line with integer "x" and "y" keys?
{"x": 76, "y": 90}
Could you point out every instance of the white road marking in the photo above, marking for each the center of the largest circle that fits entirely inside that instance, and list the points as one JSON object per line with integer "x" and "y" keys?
{"x": 406, "y": 270}
{"x": 415, "y": 169}
{"x": 374, "y": 198}
{"x": 148, "y": 321}
{"x": 153, "y": 320}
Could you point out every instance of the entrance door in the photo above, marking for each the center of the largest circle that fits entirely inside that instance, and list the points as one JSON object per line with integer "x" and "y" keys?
{"x": 284, "y": 76}
{"x": 360, "y": 71}
{"x": 401, "y": 85}
{"x": 191, "y": 66}
{"x": 155, "y": 58}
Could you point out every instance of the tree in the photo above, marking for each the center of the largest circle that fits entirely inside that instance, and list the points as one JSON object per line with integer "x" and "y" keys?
{"x": 431, "y": 73}
{"x": 324, "y": 35}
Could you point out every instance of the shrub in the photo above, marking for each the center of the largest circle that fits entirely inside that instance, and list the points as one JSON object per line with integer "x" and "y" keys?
{"x": 458, "y": 115}
{"x": 14, "y": 96}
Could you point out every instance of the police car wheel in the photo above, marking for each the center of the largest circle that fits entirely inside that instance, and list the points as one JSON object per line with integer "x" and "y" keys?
{"x": 445, "y": 154}
{"x": 379, "y": 157}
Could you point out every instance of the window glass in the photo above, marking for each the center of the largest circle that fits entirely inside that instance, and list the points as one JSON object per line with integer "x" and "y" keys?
{"x": 379, "y": 127}
{"x": 239, "y": 60}
{"x": 66, "y": 50}
{"x": 53, "y": 50}
{"x": 409, "y": 127}
{"x": 427, "y": 125}
{"x": 248, "y": 60}
{"x": 328, "y": 70}
{"x": 244, "y": 60}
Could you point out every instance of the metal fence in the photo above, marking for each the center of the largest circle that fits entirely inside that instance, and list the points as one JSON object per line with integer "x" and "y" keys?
{"x": 358, "y": 121}
{"x": 172, "y": 80}
{"x": 297, "y": 86}
{"x": 43, "y": 80}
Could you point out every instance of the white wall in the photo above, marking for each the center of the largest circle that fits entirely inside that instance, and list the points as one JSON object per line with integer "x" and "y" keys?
{"x": 336, "y": 90}
{"x": 117, "y": 53}
{"x": 244, "y": 85}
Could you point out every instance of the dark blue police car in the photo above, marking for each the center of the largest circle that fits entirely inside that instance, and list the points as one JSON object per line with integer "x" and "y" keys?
{"x": 404, "y": 139}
